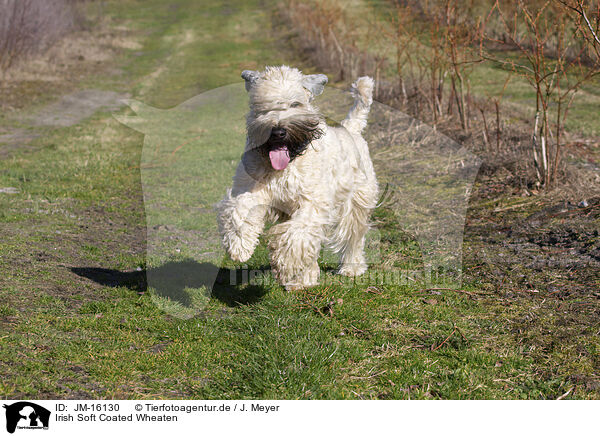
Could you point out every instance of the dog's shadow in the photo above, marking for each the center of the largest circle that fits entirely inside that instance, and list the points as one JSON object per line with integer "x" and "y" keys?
{"x": 173, "y": 280}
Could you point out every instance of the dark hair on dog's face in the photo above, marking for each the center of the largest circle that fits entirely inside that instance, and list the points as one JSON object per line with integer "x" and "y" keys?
{"x": 295, "y": 134}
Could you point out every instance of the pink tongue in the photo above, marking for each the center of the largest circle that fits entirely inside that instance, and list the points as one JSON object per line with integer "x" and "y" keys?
{"x": 279, "y": 158}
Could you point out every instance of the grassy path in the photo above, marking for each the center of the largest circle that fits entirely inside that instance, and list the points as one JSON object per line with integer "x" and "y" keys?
{"x": 76, "y": 320}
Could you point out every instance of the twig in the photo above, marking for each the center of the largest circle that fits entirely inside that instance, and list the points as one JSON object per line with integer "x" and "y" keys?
{"x": 450, "y": 289}
{"x": 486, "y": 133}
{"x": 445, "y": 340}
{"x": 384, "y": 196}
{"x": 563, "y": 396}
{"x": 497, "y": 105}
{"x": 357, "y": 377}
{"x": 373, "y": 290}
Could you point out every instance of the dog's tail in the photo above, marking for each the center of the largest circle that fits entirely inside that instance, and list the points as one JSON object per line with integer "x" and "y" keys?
{"x": 362, "y": 91}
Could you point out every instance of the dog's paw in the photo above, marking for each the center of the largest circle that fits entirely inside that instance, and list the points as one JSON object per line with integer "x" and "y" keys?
{"x": 295, "y": 280}
{"x": 300, "y": 284}
{"x": 239, "y": 254}
{"x": 353, "y": 269}
{"x": 240, "y": 257}
{"x": 294, "y": 287}
{"x": 237, "y": 250}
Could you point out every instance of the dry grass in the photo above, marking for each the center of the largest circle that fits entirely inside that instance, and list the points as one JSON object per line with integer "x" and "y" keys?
{"x": 59, "y": 67}
{"x": 30, "y": 26}
{"x": 323, "y": 31}
{"x": 47, "y": 46}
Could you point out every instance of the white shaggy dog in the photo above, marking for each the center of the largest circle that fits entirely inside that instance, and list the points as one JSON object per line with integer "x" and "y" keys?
{"x": 317, "y": 182}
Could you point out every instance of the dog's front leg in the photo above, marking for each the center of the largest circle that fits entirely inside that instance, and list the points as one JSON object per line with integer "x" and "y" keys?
{"x": 241, "y": 219}
{"x": 295, "y": 245}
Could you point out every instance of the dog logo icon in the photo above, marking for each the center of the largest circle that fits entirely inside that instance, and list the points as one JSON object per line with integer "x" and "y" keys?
{"x": 26, "y": 415}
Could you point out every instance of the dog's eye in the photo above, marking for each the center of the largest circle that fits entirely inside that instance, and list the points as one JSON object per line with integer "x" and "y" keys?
{"x": 296, "y": 104}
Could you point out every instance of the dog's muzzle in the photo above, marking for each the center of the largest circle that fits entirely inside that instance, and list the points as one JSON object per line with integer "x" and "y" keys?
{"x": 288, "y": 139}
{"x": 278, "y": 134}
{"x": 279, "y": 154}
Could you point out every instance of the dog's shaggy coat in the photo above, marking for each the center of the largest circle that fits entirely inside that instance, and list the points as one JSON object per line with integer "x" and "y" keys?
{"x": 315, "y": 181}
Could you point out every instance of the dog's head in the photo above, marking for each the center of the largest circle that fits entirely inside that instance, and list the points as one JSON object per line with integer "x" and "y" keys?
{"x": 282, "y": 121}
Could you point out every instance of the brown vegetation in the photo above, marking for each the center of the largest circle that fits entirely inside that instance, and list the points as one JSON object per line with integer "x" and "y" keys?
{"x": 55, "y": 67}
{"x": 28, "y": 26}
{"x": 556, "y": 55}
{"x": 423, "y": 54}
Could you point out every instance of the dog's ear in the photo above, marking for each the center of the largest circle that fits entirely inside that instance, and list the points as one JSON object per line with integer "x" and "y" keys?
{"x": 250, "y": 77}
{"x": 315, "y": 83}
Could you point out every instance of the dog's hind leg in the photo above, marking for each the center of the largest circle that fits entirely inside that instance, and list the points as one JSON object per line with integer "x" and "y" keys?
{"x": 352, "y": 228}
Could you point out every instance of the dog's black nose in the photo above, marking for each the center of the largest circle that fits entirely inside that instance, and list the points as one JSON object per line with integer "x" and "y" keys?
{"x": 278, "y": 133}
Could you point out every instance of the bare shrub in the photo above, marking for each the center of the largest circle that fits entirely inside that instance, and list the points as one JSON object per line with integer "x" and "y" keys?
{"x": 404, "y": 36}
{"x": 553, "y": 46}
{"x": 459, "y": 38}
{"x": 29, "y": 26}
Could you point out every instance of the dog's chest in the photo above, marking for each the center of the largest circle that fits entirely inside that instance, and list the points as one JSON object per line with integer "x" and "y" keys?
{"x": 301, "y": 181}
{"x": 287, "y": 188}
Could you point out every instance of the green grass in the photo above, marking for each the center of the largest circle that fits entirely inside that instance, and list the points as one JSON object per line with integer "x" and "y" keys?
{"x": 76, "y": 319}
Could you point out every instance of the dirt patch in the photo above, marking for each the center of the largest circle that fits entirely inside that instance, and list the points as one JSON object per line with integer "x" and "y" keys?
{"x": 54, "y": 256}
{"x": 554, "y": 250}
{"x": 67, "y": 111}
{"x": 73, "y": 108}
